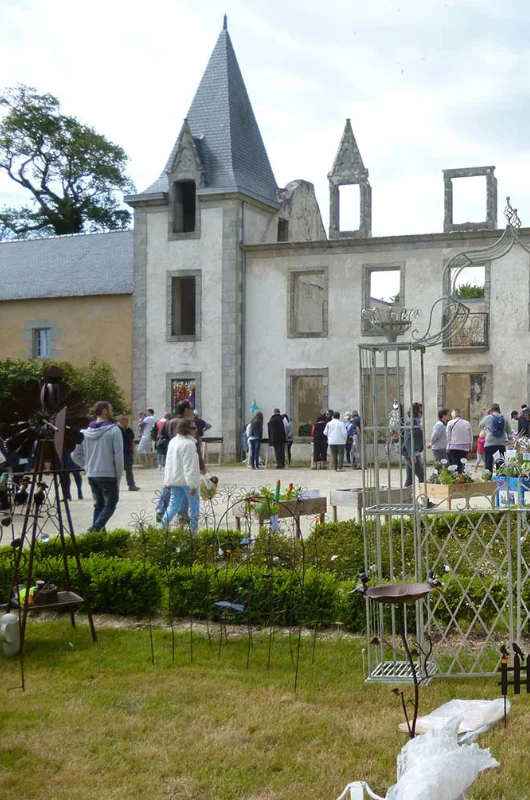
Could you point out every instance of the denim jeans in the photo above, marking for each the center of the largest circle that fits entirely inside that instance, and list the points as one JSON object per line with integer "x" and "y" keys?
{"x": 163, "y": 500}
{"x": 254, "y": 452}
{"x": 106, "y": 494}
{"x": 180, "y": 501}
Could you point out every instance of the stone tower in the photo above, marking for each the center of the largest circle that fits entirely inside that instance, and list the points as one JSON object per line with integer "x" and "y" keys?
{"x": 217, "y": 190}
{"x": 347, "y": 170}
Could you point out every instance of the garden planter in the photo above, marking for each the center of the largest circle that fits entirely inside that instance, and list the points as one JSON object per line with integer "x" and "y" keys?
{"x": 287, "y": 509}
{"x": 459, "y": 491}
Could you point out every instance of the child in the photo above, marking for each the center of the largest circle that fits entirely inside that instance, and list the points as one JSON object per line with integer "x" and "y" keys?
{"x": 480, "y": 449}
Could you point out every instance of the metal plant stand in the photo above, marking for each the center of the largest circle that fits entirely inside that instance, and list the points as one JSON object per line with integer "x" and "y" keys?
{"x": 44, "y": 420}
{"x": 483, "y": 555}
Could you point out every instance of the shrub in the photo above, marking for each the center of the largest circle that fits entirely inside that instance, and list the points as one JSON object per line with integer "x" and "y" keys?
{"x": 114, "y": 585}
{"x": 95, "y": 382}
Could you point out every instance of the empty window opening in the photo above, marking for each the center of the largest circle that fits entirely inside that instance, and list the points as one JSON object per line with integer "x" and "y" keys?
{"x": 309, "y": 400}
{"x": 183, "y": 306}
{"x": 185, "y": 206}
{"x": 469, "y": 199}
{"x": 42, "y": 343}
{"x": 349, "y": 208}
{"x": 283, "y": 230}
{"x": 469, "y": 283}
{"x": 310, "y": 302}
{"x": 385, "y": 287}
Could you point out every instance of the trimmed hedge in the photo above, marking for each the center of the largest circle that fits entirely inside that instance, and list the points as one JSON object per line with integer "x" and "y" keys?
{"x": 140, "y": 573}
{"x": 115, "y": 585}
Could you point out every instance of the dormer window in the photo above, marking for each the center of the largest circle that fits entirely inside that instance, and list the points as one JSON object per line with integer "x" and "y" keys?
{"x": 184, "y": 199}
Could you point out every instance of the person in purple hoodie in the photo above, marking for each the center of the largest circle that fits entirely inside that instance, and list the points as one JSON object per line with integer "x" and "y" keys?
{"x": 101, "y": 455}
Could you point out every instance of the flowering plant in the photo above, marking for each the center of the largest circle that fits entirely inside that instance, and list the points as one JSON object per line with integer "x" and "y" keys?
{"x": 447, "y": 474}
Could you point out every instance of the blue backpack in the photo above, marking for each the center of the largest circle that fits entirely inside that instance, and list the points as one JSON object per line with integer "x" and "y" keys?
{"x": 497, "y": 426}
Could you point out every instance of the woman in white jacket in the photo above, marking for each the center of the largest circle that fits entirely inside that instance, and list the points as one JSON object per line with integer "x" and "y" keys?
{"x": 182, "y": 474}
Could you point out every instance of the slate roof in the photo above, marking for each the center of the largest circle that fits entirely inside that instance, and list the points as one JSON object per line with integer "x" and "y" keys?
{"x": 67, "y": 266}
{"x": 225, "y": 130}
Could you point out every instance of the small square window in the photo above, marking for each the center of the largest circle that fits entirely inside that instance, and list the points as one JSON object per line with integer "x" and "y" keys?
{"x": 385, "y": 286}
{"x": 42, "y": 343}
{"x": 184, "y": 306}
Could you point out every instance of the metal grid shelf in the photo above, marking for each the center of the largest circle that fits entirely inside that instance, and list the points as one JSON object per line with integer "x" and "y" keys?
{"x": 398, "y": 672}
{"x": 394, "y": 509}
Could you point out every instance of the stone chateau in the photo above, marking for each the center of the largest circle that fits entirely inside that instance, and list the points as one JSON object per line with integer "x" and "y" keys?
{"x": 238, "y": 295}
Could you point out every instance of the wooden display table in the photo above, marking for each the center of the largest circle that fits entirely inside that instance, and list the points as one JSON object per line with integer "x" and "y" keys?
{"x": 309, "y": 507}
{"x": 208, "y": 440}
{"x": 353, "y": 498}
{"x": 461, "y": 491}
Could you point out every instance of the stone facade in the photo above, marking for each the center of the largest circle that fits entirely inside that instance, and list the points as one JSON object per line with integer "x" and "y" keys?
{"x": 278, "y": 305}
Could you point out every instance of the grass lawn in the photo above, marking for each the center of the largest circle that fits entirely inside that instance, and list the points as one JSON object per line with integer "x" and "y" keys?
{"x": 100, "y": 721}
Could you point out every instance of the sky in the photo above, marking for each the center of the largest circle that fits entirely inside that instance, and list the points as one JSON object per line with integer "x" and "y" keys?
{"x": 428, "y": 85}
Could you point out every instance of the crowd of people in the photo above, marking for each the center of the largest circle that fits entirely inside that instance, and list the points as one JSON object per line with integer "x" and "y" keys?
{"x": 107, "y": 450}
{"x": 452, "y": 439}
{"x": 342, "y": 438}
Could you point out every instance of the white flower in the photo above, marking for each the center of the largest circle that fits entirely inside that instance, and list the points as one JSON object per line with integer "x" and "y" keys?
{"x": 434, "y": 472}
{"x": 444, "y": 461}
{"x": 452, "y": 468}
{"x": 463, "y": 460}
{"x": 333, "y": 558}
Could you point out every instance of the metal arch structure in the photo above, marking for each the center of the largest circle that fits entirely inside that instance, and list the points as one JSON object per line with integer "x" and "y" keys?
{"x": 482, "y": 556}
{"x": 458, "y": 311}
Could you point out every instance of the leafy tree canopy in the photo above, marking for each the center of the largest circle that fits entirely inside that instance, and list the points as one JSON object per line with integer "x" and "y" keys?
{"x": 71, "y": 172}
{"x": 469, "y": 291}
{"x": 95, "y": 382}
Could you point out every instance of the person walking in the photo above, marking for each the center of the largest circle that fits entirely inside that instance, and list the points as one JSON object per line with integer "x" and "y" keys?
{"x": 413, "y": 446}
{"x": 336, "y": 434}
{"x": 128, "y": 452}
{"x": 438, "y": 440}
{"x": 480, "y": 449}
{"x": 254, "y": 438}
{"x": 161, "y": 431}
{"x": 101, "y": 455}
{"x": 320, "y": 442}
{"x": 459, "y": 439}
{"x": 497, "y": 435}
{"x": 348, "y": 424}
{"x": 289, "y": 436}
{"x": 277, "y": 437}
{"x": 182, "y": 475}
{"x": 356, "y": 455}
{"x": 73, "y": 470}
{"x": 145, "y": 445}
{"x": 184, "y": 411}
{"x": 202, "y": 425}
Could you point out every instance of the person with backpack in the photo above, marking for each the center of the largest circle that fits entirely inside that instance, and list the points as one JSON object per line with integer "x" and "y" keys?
{"x": 459, "y": 439}
{"x": 161, "y": 437}
{"x": 497, "y": 435}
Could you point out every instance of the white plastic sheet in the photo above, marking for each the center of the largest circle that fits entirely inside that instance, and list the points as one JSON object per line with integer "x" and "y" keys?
{"x": 435, "y": 767}
{"x": 477, "y": 717}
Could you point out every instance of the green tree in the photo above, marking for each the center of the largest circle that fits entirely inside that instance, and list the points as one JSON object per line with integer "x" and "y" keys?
{"x": 95, "y": 382}
{"x": 469, "y": 291}
{"x": 71, "y": 172}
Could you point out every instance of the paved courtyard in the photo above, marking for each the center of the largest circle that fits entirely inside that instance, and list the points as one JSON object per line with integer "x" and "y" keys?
{"x": 150, "y": 481}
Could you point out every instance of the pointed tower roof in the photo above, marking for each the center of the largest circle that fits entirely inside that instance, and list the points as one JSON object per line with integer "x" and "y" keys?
{"x": 226, "y": 133}
{"x": 348, "y": 166}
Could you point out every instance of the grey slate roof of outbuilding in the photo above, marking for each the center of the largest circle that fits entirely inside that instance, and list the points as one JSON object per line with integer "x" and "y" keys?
{"x": 225, "y": 130}
{"x": 67, "y": 266}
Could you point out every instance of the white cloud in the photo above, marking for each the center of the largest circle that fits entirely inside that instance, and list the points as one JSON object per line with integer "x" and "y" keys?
{"x": 421, "y": 80}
